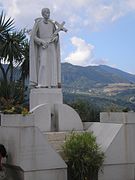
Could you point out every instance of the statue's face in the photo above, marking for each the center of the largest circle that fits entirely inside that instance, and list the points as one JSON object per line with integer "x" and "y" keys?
{"x": 46, "y": 13}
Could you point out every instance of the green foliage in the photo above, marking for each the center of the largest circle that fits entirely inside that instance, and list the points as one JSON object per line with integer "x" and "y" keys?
{"x": 80, "y": 78}
{"x": 83, "y": 155}
{"x": 6, "y": 25}
{"x": 13, "y": 49}
{"x": 112, "y": 108}
{"x": 17, "y": 109}
{"x": 86, "y": 110}
{"x": 126, "y": 109}
{"x": 25, "y": 63}
{"x": 14, "y": 53}
{"x": 12, "y": 98}
{"x": 12, "y": 90}
{"x": 103, "y": 103}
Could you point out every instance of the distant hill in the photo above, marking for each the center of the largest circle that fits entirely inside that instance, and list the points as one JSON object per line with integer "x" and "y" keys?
{"x": 103, "y": 86}
{"x": 84, "y": 78}
{"x": 108, "y": 88}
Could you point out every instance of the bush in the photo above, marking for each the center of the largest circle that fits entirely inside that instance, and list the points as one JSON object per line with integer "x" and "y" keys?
{"x": 12, "y": 98}
{"x": 83, "y": 156}
{"x": 86, "y": 110}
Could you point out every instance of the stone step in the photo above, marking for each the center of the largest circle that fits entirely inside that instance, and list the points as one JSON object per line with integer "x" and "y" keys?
{"x": 57, "y": 139}
{"x": 56, "y": 136}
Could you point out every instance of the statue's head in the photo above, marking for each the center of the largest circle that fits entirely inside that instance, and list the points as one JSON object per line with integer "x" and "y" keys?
{"x": 45, "y": 13}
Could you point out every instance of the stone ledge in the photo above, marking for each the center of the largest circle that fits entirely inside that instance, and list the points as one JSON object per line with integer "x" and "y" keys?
{"x": 118, "y": 117}
{"x": 17, "y": 120}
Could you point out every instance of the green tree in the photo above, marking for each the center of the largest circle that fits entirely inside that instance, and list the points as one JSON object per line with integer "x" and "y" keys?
{"x": 11, "y": 94}
{"x": 14, "y": 50}
{"x": 83, "y": 156}
{"x": 86, "y": 110}
{"x": 24, "y": 68}
{"x": 5, "y": 27}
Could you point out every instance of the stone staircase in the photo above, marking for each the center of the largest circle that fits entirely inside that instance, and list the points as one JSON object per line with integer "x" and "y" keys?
{"x": 56, "y": 139}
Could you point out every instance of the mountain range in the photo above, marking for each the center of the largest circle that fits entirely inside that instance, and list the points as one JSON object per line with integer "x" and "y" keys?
{"x": 84, "y": 78}
{"x": 101, "y": 85}
{"x": 106, "y": 87}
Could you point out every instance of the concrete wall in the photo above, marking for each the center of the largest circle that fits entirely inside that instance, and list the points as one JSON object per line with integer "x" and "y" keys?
{"x": 29, "y": 149}
{"x": 46, "y": 175}
{"x": 117, "y": 117}
{"x": 42, "y": 117}
{"x": 116, "y": 134}
{"x": 117, "y": 172}
{"x": 67, "y": 118}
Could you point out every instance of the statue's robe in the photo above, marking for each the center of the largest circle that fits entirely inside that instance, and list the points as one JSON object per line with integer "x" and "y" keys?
{"x": 45, "y": 66}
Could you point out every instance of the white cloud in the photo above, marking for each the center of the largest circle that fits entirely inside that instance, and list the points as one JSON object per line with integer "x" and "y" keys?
{"x": 130, "y": 4}
{"x": 83, "y": 53}
{"x": 100, "y": 61}
{"x": 77, "y": 13}
{"x": 81, "y": 3}
{"x": 100, "y": 13}
{"x": 11, "y": 8}
{"x": 80, "y": 15}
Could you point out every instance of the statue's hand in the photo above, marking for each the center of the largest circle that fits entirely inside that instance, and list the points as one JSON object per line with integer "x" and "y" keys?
{"x": 45, "y": 45}
{"x": 55, "y": 39}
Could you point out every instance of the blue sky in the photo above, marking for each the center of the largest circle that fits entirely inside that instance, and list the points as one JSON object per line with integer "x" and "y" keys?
{"x": 99, "y": 31}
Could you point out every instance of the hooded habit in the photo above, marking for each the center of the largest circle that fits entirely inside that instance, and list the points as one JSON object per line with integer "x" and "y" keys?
{"x": 45, "y": 65}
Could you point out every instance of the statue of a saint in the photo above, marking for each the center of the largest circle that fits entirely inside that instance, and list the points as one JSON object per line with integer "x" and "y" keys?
{"x": 45, "y": 65}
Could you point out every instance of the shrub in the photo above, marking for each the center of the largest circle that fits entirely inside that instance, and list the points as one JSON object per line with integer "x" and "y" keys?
{"x": 12, "y": 98}
{"x": 83, "y": 156}
{"x": 86, "y": 110}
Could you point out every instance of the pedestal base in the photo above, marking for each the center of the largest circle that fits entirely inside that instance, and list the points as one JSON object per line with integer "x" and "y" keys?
{"x": 50, "y": 113}
{"x": 45, "y": 96}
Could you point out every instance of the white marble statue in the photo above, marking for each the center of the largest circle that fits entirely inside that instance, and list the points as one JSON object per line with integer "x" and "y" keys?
{"x": 45, "y": 68}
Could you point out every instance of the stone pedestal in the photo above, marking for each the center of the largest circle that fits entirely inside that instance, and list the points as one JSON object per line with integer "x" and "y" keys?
{"x": 45, "y": 96}
{"x": 50, "y": 113}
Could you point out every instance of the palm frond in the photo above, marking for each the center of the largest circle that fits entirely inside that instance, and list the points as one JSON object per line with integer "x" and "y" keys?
{"x": 6, "y": 25}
